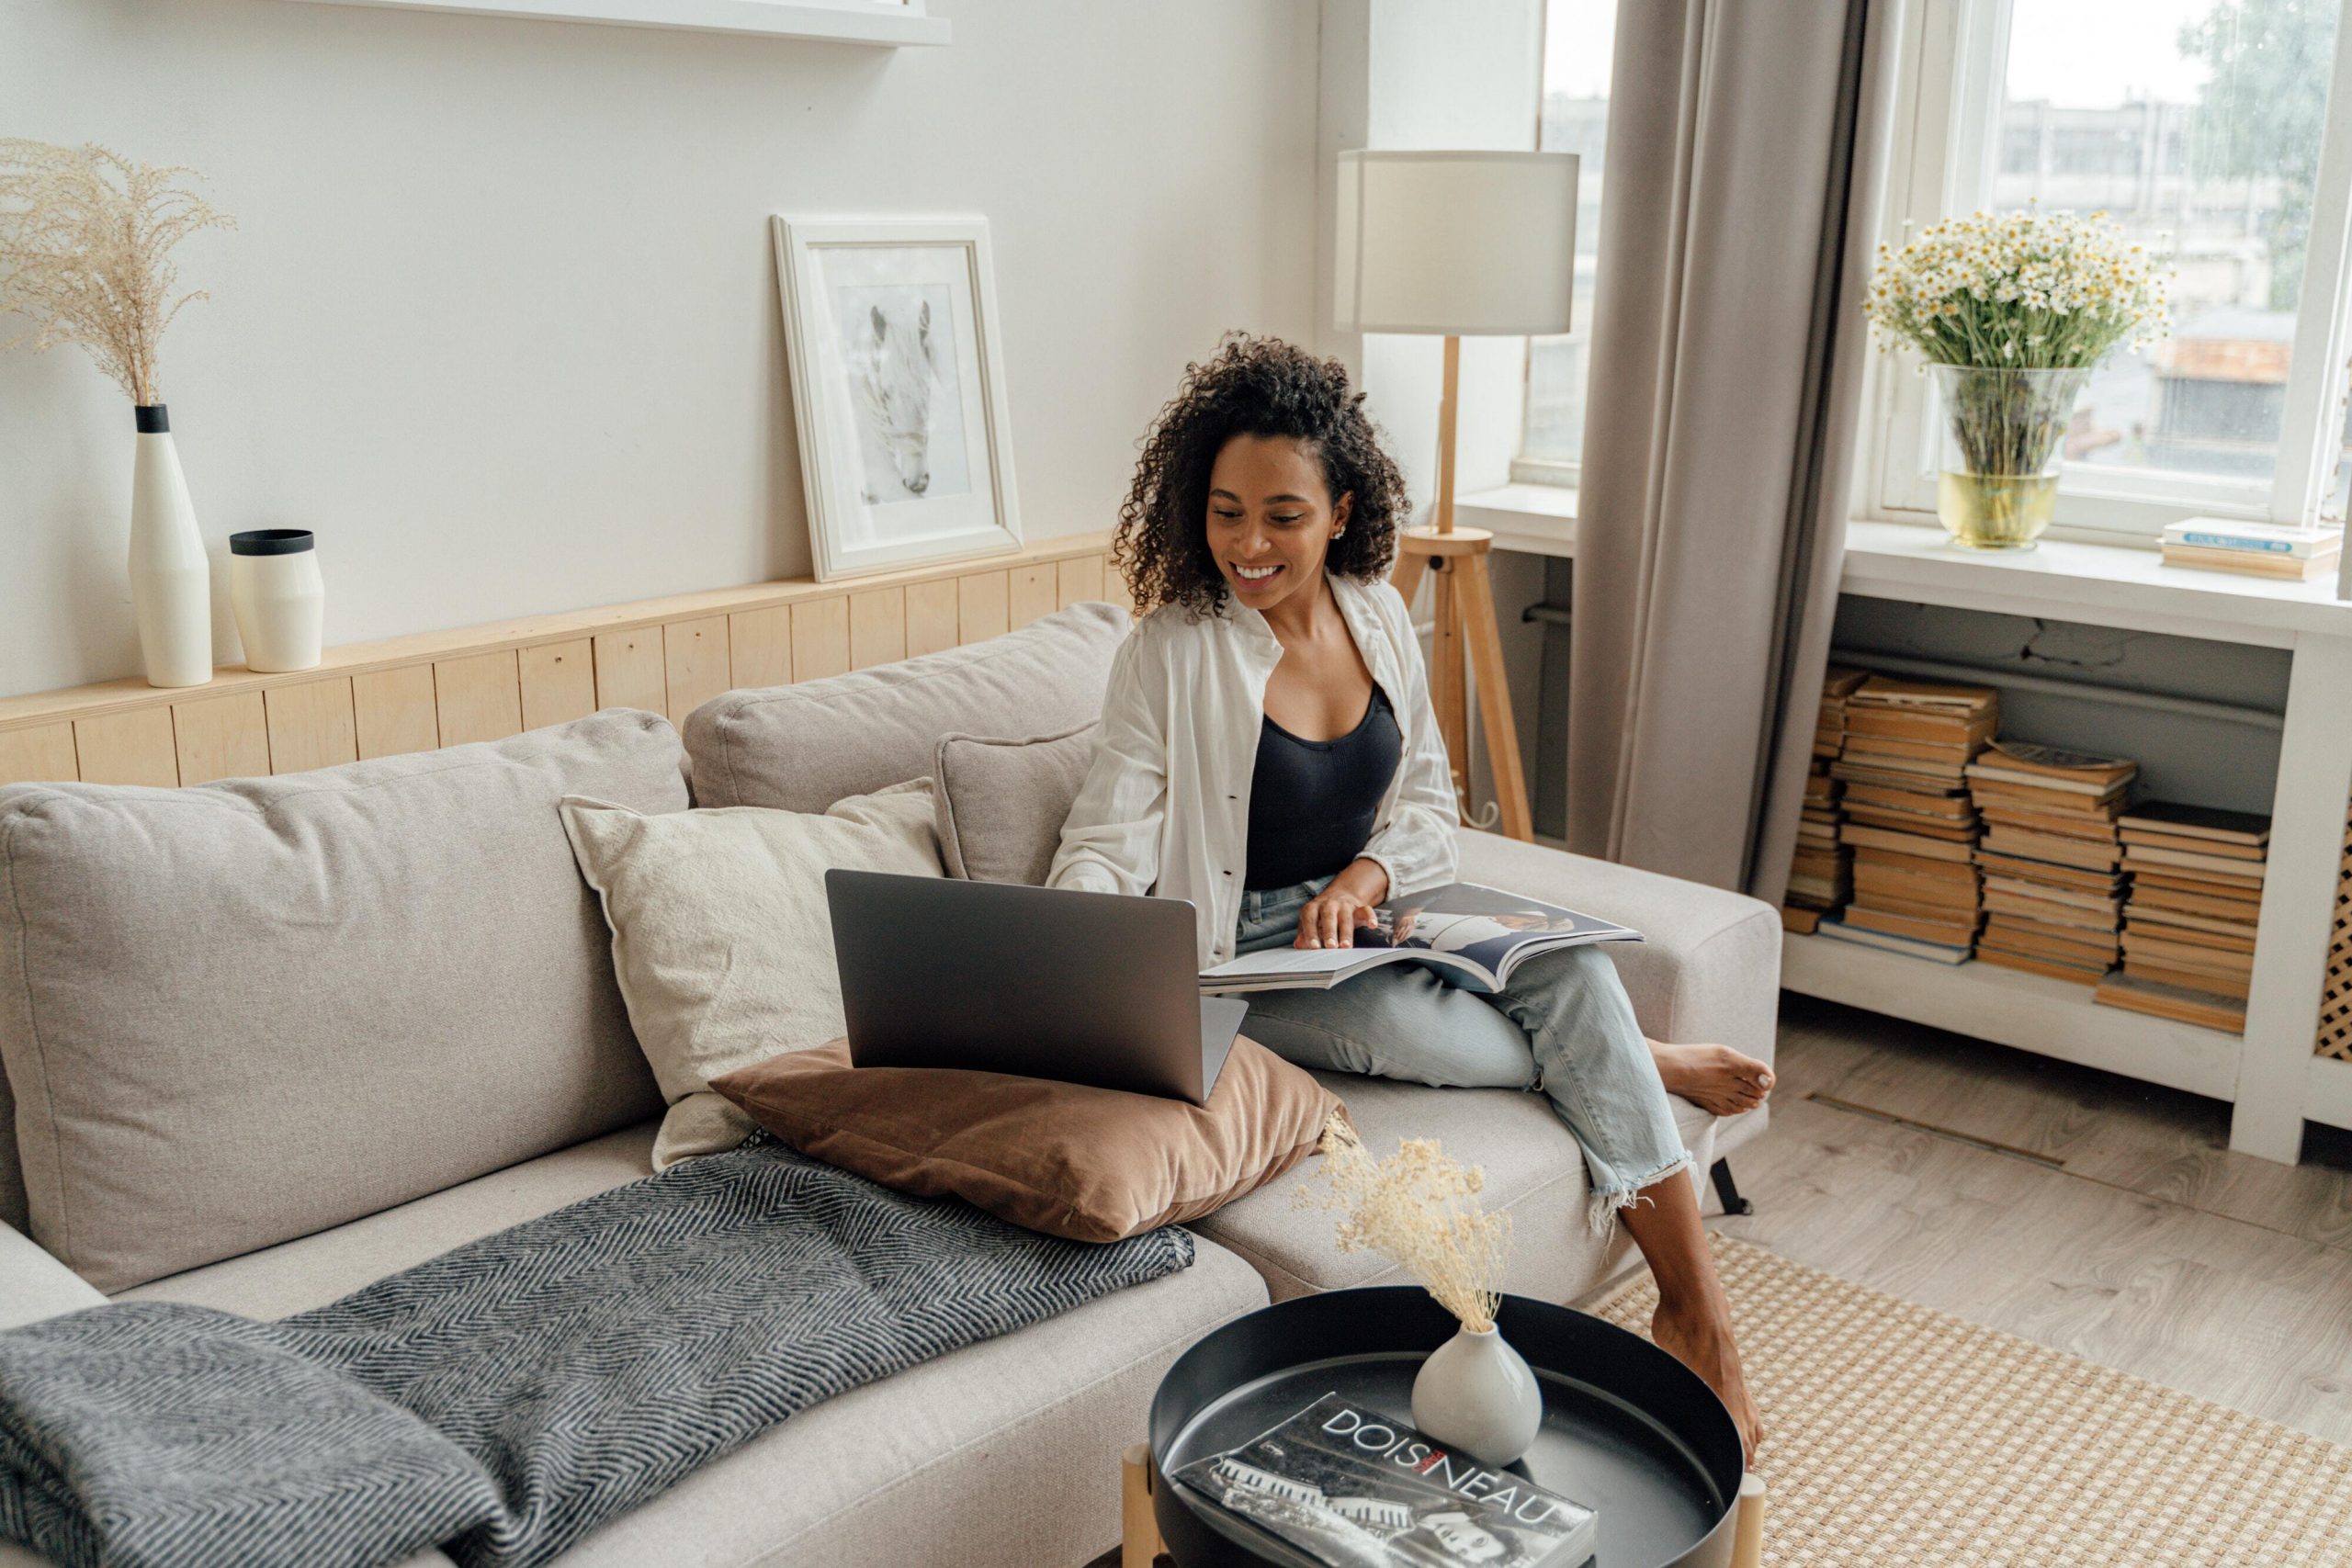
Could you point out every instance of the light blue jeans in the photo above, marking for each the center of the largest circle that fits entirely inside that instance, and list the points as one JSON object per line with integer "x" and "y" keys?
{"x": 1564, "y": 1025}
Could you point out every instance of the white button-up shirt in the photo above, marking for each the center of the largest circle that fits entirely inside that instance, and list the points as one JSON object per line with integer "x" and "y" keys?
{"x": 1165, "y": 807}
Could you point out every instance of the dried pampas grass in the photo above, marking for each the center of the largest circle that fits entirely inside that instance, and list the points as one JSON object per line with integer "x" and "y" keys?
{"x": 85, "y": 243}
{"x": 1420, "y": 1210}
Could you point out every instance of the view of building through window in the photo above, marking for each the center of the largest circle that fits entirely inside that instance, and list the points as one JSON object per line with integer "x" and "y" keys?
{"x": 2195, "y": 125}
{"x": 1577, "y": 37}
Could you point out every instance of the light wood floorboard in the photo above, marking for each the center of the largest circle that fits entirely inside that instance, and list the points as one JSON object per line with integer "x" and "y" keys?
{"x": 2113, "y": 1223}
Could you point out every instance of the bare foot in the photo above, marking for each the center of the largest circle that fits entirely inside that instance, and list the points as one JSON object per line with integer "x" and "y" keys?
{"x": 1701, "y": 1341}
{"x": 1715, "y": 1079}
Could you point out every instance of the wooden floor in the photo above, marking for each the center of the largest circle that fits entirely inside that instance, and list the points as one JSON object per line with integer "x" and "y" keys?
{"x": 2090, "y": 1212}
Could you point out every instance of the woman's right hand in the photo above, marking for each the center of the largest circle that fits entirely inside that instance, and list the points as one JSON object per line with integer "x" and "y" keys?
{"x": 1332, "y": 917}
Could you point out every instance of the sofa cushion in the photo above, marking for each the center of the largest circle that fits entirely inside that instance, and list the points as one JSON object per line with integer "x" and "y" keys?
{"x": 245, "y": 1011}
{"x": 1534, "y": 1171}
{"x": 722, "y": 938}
{"x": 1709, "y": 967}
{"x": 1002, "y": 803}
{"x": 1068, "y": 1159}
{"x": 34, "y": 1286}
{"x": 802, "y": 748}
{"x": 312, "y": 1270}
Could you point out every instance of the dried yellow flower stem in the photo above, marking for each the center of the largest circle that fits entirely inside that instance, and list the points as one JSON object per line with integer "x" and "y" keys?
{"x": 85, "y": 242}
{"x": 1420, "y": 1209}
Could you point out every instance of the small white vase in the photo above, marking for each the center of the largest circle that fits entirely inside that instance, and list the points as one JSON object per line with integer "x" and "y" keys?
{"x": 171, "y": 583}
{"x": 1476, "y": 1395}
{"x": 279, "y": 597}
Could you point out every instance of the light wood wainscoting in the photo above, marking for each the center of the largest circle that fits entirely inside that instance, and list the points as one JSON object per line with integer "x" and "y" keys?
{"x": 435, "y": 689}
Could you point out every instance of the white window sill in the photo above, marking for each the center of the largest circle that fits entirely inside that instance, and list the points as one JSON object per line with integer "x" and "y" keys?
{"x": 2062, "y": 579}
{"x": 1539, "y": 520}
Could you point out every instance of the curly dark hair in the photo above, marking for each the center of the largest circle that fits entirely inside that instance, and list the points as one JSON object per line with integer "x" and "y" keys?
{"x": 1250, "y": 386}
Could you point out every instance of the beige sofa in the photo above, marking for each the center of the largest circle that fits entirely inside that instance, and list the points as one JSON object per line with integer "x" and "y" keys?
{"x": 272, "y": 1039}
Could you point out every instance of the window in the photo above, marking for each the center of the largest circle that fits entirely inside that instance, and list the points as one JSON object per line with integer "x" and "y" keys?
{"x": 1578, "y": 37}
{"x": 2201, "y": 128}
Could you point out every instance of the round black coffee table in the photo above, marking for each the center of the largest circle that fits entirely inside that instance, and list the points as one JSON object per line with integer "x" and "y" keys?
{"x": 1628, "y": 1430}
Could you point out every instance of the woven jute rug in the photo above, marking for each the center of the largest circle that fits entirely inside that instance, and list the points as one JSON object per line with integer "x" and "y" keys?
{"x": 1898, "y": 1437}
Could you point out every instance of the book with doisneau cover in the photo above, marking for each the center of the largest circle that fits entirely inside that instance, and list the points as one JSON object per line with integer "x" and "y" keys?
{"x": 1353, "y": 1489}
{"x": 1472, "y": 936}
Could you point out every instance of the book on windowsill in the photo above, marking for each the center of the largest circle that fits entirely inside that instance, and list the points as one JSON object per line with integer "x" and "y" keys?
{"x": 2251, "y": 538}
{"x": 2290, "y": 569}
{"x": 1352, "y": 1488}
{"x": 1471, "y": 935}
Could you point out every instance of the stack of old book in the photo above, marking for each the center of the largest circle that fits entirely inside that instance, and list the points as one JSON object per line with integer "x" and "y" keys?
{"x": 2188, "y": 924}
{"x": 1820, "y": 872}
{"x": 1909, "y": 818}
{"x": 2053, "y": 882}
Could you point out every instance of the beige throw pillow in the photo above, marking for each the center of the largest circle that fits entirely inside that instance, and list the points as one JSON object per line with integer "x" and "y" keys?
{"x": 722, "y": 938}
{"x": 1002, "y": 803}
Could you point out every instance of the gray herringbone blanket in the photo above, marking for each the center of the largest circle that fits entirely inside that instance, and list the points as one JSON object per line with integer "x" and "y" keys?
{"x": 505, "y": 1399}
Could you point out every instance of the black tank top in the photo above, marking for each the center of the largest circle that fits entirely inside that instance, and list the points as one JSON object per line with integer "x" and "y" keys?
{"x": 1313, "y": 803}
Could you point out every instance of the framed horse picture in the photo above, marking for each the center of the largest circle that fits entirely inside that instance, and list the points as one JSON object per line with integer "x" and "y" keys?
{"x": 897, "y": 390}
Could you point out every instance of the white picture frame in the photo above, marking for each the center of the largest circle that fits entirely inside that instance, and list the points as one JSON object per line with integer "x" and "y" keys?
{"x": 897, "y": 390}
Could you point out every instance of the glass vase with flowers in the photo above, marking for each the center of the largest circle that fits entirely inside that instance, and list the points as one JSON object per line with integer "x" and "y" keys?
{"x": 2011, "y": 312}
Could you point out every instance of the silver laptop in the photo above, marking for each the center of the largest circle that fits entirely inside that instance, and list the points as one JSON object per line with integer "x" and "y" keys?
{"x": 1082, "y": 987}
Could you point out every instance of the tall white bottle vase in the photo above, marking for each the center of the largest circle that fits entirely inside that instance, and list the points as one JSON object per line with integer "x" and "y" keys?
{"x": 171, "y": 582}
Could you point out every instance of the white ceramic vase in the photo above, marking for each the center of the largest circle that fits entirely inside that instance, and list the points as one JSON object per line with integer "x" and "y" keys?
{"x": 171, "y": 583}
{"x": 1476, "y": 1395}
{"x": 279, "y": 597}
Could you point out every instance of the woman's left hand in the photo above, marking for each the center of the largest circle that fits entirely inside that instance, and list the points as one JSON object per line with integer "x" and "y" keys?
{"x": 1331, "y": 917}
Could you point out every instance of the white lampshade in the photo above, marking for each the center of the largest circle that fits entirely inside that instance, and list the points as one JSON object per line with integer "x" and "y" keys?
{"x": 1460, "y": 244}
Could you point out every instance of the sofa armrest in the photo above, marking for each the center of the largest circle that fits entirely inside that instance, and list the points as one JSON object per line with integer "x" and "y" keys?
{"x": 33, "y": 1285}
{"x": 1709, "y": 967}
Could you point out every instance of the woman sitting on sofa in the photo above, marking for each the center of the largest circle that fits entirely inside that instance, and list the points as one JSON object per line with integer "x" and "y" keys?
{"x": 1269, "y": 753}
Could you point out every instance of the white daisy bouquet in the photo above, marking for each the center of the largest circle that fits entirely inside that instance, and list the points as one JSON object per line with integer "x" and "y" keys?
{"x": 2024, "y": 290}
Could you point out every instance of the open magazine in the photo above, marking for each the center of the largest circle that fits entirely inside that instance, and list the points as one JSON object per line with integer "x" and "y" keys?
{"x": 1353, "y": 1489}
{"x": 1474, "y": 936}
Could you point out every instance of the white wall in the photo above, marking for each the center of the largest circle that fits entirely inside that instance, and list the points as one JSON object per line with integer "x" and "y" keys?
{"x": 498, "y": 319}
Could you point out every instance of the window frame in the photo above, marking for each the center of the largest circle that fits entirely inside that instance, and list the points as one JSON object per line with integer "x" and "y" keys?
{"x": 1944, "y": 155}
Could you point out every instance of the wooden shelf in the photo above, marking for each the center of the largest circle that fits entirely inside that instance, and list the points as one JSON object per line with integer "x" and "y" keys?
{"x": 132, "y": 692}
{"x": 2031, "y": 1013}
{"x": 882, "y": 23}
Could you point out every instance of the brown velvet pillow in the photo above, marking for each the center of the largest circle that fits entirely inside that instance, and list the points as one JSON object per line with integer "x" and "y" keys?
{"x": 1088, "y": 1163}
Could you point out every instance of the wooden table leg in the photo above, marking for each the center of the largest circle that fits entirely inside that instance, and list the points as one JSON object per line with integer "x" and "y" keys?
{"x": 1139, "y": 1539}
{"x": 1747, "y": 1535}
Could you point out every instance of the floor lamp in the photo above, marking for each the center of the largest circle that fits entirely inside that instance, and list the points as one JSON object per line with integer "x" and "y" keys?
{"x": 1459, "y": 244}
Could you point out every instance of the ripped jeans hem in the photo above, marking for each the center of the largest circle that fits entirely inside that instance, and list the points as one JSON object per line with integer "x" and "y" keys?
{"x": 1600, "y": 1209}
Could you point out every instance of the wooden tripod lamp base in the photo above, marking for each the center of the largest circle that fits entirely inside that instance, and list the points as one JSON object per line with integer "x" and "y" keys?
{"x": 1466, "y": 626}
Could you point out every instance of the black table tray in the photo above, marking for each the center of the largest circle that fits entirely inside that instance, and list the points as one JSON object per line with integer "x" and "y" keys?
{"x": 1628, "y": 1430}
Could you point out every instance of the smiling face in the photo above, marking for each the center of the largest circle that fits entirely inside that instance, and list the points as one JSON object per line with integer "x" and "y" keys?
{"x": 1272, "y": 518}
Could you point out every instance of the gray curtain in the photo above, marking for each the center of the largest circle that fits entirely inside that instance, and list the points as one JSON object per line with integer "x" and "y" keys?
{"x": 1746, "y": 145}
